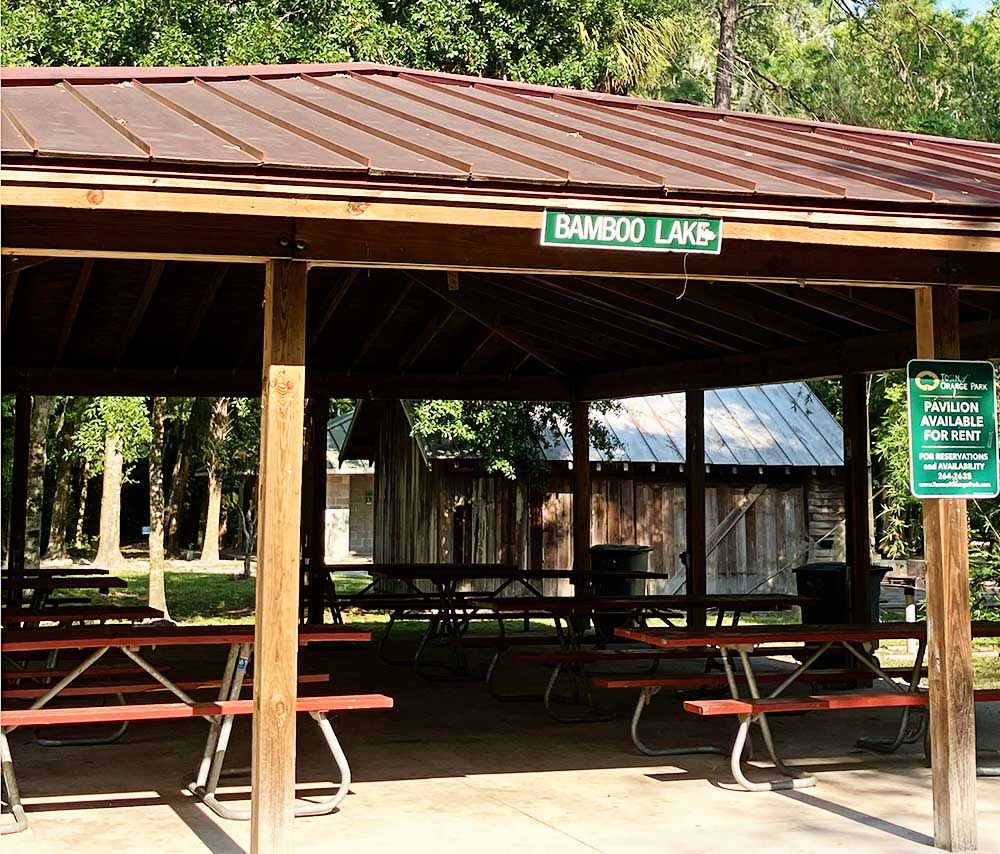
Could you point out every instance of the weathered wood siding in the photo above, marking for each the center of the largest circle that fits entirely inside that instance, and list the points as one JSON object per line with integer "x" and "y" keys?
{"x": 444, "y": 514}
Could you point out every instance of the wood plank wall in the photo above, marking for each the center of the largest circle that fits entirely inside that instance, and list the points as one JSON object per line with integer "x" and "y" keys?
{"x": 444, "y": 514}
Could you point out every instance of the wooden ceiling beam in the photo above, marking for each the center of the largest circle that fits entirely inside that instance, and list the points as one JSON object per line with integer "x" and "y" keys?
{"x": 865, "y": 354}
{"x": 379, "y": 328}
{"x": 420, "y": 344}
{"x": 512, "y": 336}
{"x": 476, "y": 351}
{"x": 872, "y": 300}
{"x": 72, "y": 309}
{"x": 625, "y": 332}
{"x": 336, "y": 297}
{"x": 820, "y": 301}
{"x": 139, "y": 310}
{"x": 246, "y": 383}
{"x": 200, "y": 312}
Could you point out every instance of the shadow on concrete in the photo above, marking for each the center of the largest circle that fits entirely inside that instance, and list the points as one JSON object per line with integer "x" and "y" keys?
{"x": 860, "y": 817}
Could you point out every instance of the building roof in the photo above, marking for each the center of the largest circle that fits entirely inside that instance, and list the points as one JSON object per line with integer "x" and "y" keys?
{"x": 337, "y": 429}
{"x": 371, "y": 122}
{"x": 777, "y": 425}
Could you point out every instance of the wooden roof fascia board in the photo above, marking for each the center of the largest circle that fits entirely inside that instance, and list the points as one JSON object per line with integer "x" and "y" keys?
{"x": 379, "y": 327}
{"x": 678, "y": 331}
{"x": 9, "y": 293}
{"x": 139, "y": 310}
{"x": 784, "y": 141}
{"x": 567, "y": 305}
{"x": 677, "y": 162}
{"x": 967, "y": 166}
{"x": 402, "y": 142}
{"x": 198, "y": 318}
{"x": 286, "y": 125}
{"x": 739, "y": 332}
{"x": 527, "y": 160}
{"x": 72, "y": 309}
{"x": 984, "y": 221}
{"x": 12, "y": 117}
{"x": 601, "y": 111}
{"x": 818, "y": 301}
{"x": 515, "y": 339}
{"x": 420, "y": 344}
{"x": 337, "y": 295}
{"x": 108, "y": 119}
{"x": 709, "y": 132}
{"x": 551, "y": 144}
{"x": 246, "y": 147}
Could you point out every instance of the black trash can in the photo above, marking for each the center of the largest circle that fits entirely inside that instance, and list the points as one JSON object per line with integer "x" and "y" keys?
{"x": 610, "y": 559}
{"x": 830, "y": 584}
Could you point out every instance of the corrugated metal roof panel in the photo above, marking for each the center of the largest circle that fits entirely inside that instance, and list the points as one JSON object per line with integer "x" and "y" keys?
{"x": 425, "y": 125}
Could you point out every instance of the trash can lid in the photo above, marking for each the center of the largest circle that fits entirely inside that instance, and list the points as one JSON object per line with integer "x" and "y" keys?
{"x": 821, "y": 567}
{"x": 620, "y": 548}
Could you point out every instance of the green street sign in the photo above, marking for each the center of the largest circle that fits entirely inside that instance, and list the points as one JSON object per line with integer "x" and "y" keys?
{"x": 636, "y": 233}
{"x": 952, "y": 413}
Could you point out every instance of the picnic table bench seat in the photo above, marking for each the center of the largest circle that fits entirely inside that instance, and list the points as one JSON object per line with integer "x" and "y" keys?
{"x": 823, "y": 702}
{"x": 80, "y": 613}
{"x": 317, "y": 707}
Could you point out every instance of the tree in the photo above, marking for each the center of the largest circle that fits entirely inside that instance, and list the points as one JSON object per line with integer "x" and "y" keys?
{"x": 57, "y": 548}
{"x": 41, "y": 412}
{"x": 191, "y": 416}
{"x": 112, "y": 437}
{"x": 218, "y": 433}
{"x": 157, "y": 587}
{"x": 241, "y": 451}
{"x": 726, "y": 55}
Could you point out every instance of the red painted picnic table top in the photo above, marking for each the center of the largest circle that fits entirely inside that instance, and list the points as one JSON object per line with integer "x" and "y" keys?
{"x": 748, "y": 635}
{"x": 76, "y": 613}
{"x": 92, "y": 637}
{"x": 65, "y": 582}
{"x": 725, "y": 601}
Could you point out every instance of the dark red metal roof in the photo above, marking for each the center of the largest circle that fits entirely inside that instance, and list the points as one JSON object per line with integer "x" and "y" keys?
{"x": 356, "y": 120}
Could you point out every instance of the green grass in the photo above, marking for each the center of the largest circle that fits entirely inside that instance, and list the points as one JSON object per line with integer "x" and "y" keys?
{"x": 205, "y": 598}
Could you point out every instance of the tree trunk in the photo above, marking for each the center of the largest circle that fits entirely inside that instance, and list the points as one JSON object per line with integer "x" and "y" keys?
{"x": 58, "y": 548}
{"x": 726, "y": 56}
{"x": 181, "y": 471}
{"x": 82, "y": 509}
{"x": 218, "y": 431}
{"x": 109, "y": 552}
{"x": 157, "y": 588}
{"x": 40, "y": 414}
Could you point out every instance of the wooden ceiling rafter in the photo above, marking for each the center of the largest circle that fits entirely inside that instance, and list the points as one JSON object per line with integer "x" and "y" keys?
{"x": 621, "y": 333}
{"x": 72, "y": 309}
{"x": 200, "y": 312}
{"x": 512, "y": 336}
{"x": 379, "y": 328}
{"x": 476, "y": 352}
{"x": 871, "y": 301}
{"x": 421, "y": 342}
{"x": 647, "y": 296}
{"x": 841, "y": 309}
{"x": 9, "y": 293}
{"x": 16, "y": 263}
{"x": 336, "y": 297}
{"x": 589, "y": 326}
{"x": 139, "y": 310}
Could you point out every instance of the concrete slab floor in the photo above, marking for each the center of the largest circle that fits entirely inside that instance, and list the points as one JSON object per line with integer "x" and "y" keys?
{"x": 452, "y": 768}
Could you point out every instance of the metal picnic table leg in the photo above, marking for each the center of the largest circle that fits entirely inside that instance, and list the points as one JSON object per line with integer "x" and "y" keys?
{"x": 13, "y": 793}
{"x": 903, "y": 736}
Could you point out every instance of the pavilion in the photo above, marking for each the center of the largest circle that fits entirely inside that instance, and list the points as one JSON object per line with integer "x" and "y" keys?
{"x": 374, "y": 232}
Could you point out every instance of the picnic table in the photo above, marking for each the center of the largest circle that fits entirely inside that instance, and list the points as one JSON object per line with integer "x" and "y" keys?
{"x": 98, "y": 641}
{"x": 451, "y": 609}
{"x": 44, "y": 584}
{"x": 744, "y": 641}
{"x": 78, "y": 614}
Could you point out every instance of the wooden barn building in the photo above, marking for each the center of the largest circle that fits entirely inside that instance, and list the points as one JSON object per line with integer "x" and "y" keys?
{"x": 774, "y": 458}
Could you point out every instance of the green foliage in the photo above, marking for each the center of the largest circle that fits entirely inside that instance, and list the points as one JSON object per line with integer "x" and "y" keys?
{"x": 240, "y": 452}
{"x": 125, "y": 418}
{"x": 509, "y": 437}
{"x": 899, "y": 511}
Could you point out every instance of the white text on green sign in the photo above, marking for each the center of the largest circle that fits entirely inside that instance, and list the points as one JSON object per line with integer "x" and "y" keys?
{"x": 952, "y": 409}
{"x": 625, "y": 231}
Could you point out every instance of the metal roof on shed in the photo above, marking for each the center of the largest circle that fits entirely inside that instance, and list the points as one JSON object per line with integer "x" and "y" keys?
{"x": 359, "y": 120}
{"x": 768, "y": 425}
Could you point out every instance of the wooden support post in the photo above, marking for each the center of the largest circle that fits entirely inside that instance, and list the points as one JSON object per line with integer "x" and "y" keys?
{"x": 856, "y": 488}
{"x": 18, "y": 497}
{"x": 319, "y": 413}
{"x": 694, "y": 500}
{"x": 276, "y": 633}
{"x": 580, "y": 428}
{"x": 949, "y": 651}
